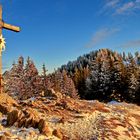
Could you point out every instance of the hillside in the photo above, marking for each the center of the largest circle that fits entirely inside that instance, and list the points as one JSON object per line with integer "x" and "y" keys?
{"x": 93, "y": 98}
{"x": 62, "y": 118}
{"x": 106, "y": 75}
{"x": 102, "y": 75}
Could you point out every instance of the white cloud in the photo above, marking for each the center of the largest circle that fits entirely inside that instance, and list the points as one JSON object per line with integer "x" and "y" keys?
{"x": 112, "y": 3}
{"x": 121, "y": 7}
{"x": 128, "y": 7}
{"x": 132, "y": 43}
{"x": 101, "y": 35}
{"x": 109, "y": 4}
{"x": 125, "y": 7}
{"x": 138, "y": 1}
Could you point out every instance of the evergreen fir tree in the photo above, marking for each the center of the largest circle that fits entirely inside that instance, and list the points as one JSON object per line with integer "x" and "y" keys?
{"x": 44, "y": 79}
{"x": 14, "y": 80}
{"x": 32, "y": 81}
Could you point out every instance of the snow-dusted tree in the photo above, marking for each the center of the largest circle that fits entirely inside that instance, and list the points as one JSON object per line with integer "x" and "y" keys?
{"x": 79, "y": 78}
{"x": 44, "y": 79}
{"x": 68, "y": 86}
{"x": 133, "y": 80}
{"x": 64, "y": 84}
{"x": 32, "y": 81}
{"x": 104, "y": 81}
{"x": 137, "y": 58}
{"x": 14, "y": 78}
{"x": 133, "y": 88}
{"x": 44, "y": 71}
{"x": 57, "y": 81}
{"x": 92, "y": 82}
{"x": 98, "y": 83}
{"x": 119, "y": 78}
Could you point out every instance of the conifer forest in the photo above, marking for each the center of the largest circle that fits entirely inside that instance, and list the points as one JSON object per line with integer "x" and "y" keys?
{"x": 103, "y": 75}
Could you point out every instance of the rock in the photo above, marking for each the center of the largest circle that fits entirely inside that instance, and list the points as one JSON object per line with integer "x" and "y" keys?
{"x": 58, "y": 133}
{"x": 32, "y": 133}
{"x": 30, "y": 118}
{"x": 1, "y": 127}
{"x": 25, "y": 118}
{"x": 42, "y": 94}
{"x": 13, "y": 117}
{"x": 7, "y": 134}
{"x": 50, "y": 93}
{"x": 3, "y": 137}
{"x": 43, "y": 128}
{"x": 0, "y": 114}
{"x": 21, "y": 122}
{"x": 6, "y": 103}
{"x": 62, "y": 120}
{"x": 59, "y": 95}
{"x": 4, "y": 108}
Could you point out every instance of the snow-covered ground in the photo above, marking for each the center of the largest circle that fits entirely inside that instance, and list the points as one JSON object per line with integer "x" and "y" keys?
{"x": 68, "y": 119}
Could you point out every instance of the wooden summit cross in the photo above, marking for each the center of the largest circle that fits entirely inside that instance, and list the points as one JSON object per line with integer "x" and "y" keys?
{"x": 9, "y": 27}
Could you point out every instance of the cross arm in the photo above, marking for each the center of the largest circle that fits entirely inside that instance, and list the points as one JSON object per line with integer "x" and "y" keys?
{"x": 11, "y": 27}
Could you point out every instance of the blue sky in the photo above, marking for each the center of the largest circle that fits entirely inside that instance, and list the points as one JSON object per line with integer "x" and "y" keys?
{"x": 56, "y": 31}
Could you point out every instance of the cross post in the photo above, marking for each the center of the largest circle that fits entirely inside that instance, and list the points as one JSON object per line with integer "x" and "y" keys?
{"x": 4, "y": 25}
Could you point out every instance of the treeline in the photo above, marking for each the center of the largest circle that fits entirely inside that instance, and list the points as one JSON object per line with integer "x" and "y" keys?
{"x": 24, "y": 81}
{"x": 104, "y": 75}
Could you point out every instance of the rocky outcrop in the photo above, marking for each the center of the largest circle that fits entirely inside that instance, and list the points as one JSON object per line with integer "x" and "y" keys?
{"x": 25, "y": 118}
{"x": 1, "y": 127}
{"x": 62, "y": 117}
{"x": 4, "y": 108}
{"x": 28, "y": 118}
{"x": 58, "y": 133}
{"x": 52, "y": 94}
{"x": 7, "y": 104}
{"x": 14, "y": 116}
{"x": 43, "y": 128}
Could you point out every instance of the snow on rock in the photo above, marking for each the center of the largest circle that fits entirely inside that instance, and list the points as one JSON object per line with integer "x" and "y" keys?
{"x": 65, "y": 118}
{"x": 114, "y": 102}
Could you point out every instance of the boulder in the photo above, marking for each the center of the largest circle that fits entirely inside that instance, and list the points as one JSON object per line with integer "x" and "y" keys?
{"x": 7, "y": 103}
{"x": 1, "y": 127}
{"x": 13, "y": 117}
{"x": 58, "y": 133}
{"x": 30, "y": 118}
{"x": 3, "y": 137}
{"x": 50, "y": 93}
{"x": 25, "y": 118}
{"x": 43, "y": 128}
{"x": 8, "y": 134}
{"x": 4, "y": 108}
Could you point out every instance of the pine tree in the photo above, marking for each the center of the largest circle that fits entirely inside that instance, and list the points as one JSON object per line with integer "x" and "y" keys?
{"x": 105, "y": 78}
{"x": 64, "y": 84}
{"x": 44, "y": 71}
{"x": 68, "y": 86}
{"x": 44, "y": 78}
{"x": 92, "y": 82}
{"x": 57, "y": 81}
{"x": 133, "y": 87}
{"x": 13, "y": 80}
{"x": 32, "y": 81}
